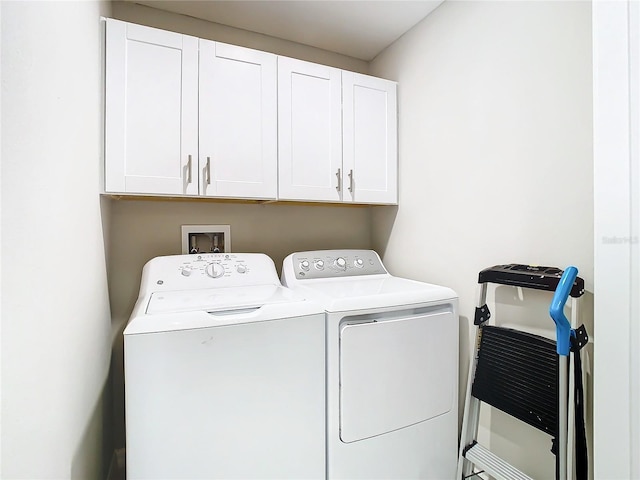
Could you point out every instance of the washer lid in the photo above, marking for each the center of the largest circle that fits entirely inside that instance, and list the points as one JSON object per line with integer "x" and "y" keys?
{"x": 216, "y": 307}
{"x": 218, "y": 299}
{"x": 372, "y": 292}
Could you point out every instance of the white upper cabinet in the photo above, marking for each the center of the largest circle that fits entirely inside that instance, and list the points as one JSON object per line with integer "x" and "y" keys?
{"x": 192, "y": 117}
{"x": 337, "y": 135}
{"x": 188, "y": 117}
{"x": 151, "y": 139}
{"x": 370, "y": 145}
{"x": 238, "y": 122}
{"x": 309, "y": 131}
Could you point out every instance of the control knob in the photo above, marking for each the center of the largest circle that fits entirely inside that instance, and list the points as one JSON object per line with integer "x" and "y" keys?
{"x": 242, "y": 269}
{"x": 341, "y": 263}
{"x": 358, "y": 262}
{"x": 215, "y": 270}
{"x": 304, "y": 265}
{"x": 186, "y": 271}
{"x": 319, "y": 264}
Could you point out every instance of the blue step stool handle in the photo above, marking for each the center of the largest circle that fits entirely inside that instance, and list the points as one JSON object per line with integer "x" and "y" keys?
{"x": 556, "y": 310}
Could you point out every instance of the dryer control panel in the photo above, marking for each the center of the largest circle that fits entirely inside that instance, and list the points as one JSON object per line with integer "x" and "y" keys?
{"x": 207, "y": 270}
{"x": 335, "y": 263}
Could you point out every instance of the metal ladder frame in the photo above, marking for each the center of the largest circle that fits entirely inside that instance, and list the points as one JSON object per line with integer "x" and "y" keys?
{"x": 472, "y": 453}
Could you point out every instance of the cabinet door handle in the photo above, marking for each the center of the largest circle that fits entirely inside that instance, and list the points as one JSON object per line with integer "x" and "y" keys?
{"x": 339, "y": 186}
{"x": 208, "y": 170}
{"x": 351, "y": 181}
{"x": 189, "y": 170}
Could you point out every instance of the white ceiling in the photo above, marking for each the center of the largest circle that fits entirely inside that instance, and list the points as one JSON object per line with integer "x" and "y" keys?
{"x": 357, "y": 28}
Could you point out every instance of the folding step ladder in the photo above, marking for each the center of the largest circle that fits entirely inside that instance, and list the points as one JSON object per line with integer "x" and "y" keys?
{"x": 524, "y": 375}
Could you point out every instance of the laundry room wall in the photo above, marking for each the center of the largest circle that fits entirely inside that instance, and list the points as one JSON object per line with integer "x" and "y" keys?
{"x": 143, "y": 229}
{"x": 55, "y": 311}
{"x": 135, "y": 13}
{"x": 496, "y": 164}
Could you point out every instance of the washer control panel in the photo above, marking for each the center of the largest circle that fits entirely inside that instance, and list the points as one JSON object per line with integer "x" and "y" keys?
{"x": 215, "y": 265}
{"x": 208, "y": 270}
{"x": 336, "y": 263}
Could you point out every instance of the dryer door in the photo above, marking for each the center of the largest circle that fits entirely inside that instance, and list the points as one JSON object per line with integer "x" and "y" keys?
{"x": 396, "y": 373}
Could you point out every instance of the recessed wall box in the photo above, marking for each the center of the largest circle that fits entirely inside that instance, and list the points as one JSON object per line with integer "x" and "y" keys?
{"x": 206, "y": 238}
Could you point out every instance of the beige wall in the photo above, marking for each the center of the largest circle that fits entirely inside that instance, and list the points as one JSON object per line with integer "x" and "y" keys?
{"x": 496, "y": 164}
{"x": 131, "y": 12}
{"x": 143, "y": 229}
{"x": 55, "y": 310}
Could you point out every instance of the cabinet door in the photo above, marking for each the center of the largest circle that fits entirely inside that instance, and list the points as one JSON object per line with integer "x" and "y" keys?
{"x": 309, "y": 131}
{"x": 238, "y": 122}
{"x": 370, "y": 144}
{"x": 151, "y": 103}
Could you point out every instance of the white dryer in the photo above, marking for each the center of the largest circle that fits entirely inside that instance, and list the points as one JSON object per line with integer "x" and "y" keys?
{"x": 224, "y": 373}
{"x": 392, "y": 366}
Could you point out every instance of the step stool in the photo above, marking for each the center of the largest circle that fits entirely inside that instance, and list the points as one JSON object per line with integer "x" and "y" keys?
{"x": 519, "y": 373}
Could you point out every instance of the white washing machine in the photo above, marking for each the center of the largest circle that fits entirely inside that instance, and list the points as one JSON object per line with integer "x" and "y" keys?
{"x": 392, "y": 366}
{"x": 224, "y": 373}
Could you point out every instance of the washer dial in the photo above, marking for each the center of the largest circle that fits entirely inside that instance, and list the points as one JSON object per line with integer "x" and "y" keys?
{"x": 214, "y": 270}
